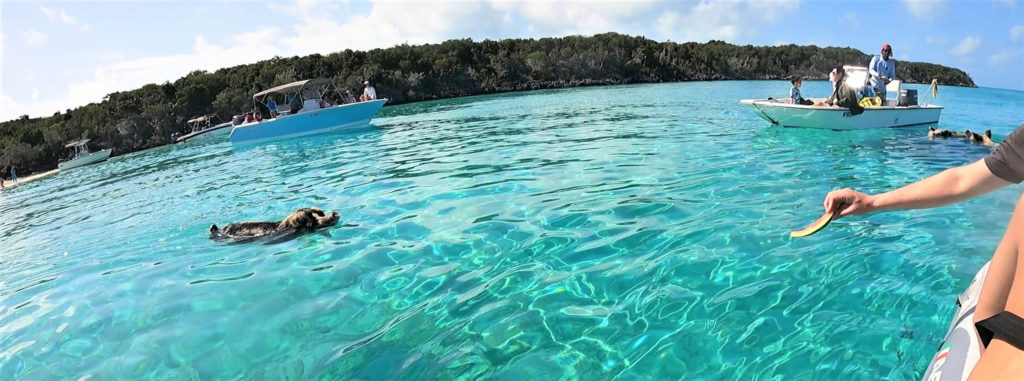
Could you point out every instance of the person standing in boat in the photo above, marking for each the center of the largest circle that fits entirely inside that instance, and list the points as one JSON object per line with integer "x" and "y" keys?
{"x": 997, "y": 317}
{"x": 369, "y": 93}
{"x": 882, "y": 71}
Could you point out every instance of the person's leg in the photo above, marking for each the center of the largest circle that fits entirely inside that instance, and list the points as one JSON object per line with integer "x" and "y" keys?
{"x": 998, "y": 282}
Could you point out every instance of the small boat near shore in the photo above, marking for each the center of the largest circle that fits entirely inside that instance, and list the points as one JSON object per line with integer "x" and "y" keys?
{"x": 80, "y": 155}
{"x": 308, "y": 112}
{"x": 902, "y": 110}
{"x": 203, "y": 128}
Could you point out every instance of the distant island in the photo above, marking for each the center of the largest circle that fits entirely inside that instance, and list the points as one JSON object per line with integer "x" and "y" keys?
{"x": 144, "y": 118}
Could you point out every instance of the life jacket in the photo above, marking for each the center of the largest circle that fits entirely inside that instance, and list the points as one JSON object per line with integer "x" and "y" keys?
{"x": 870, "y": 102}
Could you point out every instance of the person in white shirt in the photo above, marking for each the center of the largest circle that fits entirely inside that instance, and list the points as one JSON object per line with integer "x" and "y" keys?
{"x": 369, "y": 93}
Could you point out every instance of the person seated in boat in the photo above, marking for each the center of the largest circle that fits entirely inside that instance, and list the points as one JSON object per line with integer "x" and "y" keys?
{"x": 794, "y": 92}
{"x": 262, "y": 112}
{"x": 369, "y": 93}
{"x": 831, "y": 78}
{"x": 997, "y": 317}
{"x": 295, "y": 104}
{"x": 249, "y": 118}
{"x": 881, "y": 71}
{"x": 983, "y": 139}
{"x": 843, "y": 95}
{"x": 272, "y": 107}
{"x": 348, "y": 97}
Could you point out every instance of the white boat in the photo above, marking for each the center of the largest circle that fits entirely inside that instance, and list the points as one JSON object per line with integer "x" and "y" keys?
{"x": 890, "y": 115}
{"x": 308, "y": 112}
{"x": 960, "y": 349}
{"x": 203, "y": 128}
{"x": 80, "y": 155}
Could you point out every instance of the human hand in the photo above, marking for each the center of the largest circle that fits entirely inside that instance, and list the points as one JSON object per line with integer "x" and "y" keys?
{"x": 848, "y": 201}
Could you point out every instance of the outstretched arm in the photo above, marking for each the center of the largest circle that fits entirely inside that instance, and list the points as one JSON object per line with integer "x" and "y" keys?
{"x": 947, "y": 187}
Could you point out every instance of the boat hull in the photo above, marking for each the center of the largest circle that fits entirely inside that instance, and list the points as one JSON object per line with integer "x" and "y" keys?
{"x": 91, "y": 158}
{"x": 216, "y": 132}
{"x": 307, "y": 123}
{"x": 838, "y": 118}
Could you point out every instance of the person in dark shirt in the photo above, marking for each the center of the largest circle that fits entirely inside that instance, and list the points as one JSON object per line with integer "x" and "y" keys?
{"x": 843, "y": 95}
{"x": 1001, "y": 303}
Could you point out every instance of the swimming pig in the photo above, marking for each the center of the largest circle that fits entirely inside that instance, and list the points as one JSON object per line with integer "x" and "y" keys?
{"x": 301, "y": 221}
{"x": 984, "y": 139}
{"x": 943, "y": 133}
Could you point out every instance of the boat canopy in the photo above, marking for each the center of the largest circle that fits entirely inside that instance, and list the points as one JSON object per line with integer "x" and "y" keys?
{"x": 77, "y": 143}
{"x": 293, "y": 87}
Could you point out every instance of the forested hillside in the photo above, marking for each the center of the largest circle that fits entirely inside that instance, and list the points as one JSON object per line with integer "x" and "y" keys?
{"x": 146, "y": 117}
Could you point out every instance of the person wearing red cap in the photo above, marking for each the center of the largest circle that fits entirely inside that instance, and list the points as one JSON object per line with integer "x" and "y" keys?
{"x": 882, "y": 70}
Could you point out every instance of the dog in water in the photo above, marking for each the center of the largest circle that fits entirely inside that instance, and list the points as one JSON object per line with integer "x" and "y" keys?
{"x": 300, "y": 222}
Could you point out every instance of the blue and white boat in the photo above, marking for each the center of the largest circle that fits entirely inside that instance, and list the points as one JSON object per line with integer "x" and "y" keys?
{"x": 303, "y": 110}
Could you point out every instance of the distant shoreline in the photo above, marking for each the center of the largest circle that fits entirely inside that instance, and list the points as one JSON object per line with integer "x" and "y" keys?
{"x": 143, "y": 118}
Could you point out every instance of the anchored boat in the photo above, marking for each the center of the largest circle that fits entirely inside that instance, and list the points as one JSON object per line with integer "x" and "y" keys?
{"x": 80, "y": 155}
{"x": 203, "y": 128}
{"x": 303, "y": 111}
{"x": 901, "y": 110}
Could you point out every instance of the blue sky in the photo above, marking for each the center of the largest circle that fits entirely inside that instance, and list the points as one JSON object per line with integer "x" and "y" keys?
{"x": 56, "y": 55}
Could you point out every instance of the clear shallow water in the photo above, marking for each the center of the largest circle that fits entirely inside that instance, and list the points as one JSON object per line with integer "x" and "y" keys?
{"x": 633, "y": 232}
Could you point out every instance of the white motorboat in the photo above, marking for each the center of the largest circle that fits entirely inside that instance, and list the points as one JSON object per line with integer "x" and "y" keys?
{"x": 892, "y": 114}
{"x": 960, "y": 349}
{"x": 203, "y": 128}
{"x": 80, "y": 155}
{"x": 308, "y": 112}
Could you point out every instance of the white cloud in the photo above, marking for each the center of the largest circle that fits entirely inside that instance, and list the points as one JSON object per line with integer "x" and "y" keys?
{"x": 935, "y": 40}
{"x": 1016, "y": 32}
{"x": 724, "y": 20}
{"x": 33, "y": 37}
{"x": 60, "y": 14}
{"x": 927, "y": 10}
{"x": 1003, "y": 57}
{"x": 967, "y": 46}
{"x": 581, "y": 18}
{"x": 131, "y": 74}
{"x": 851, "y": 20}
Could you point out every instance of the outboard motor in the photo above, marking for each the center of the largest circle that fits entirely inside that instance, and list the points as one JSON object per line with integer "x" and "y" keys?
{"x": 908, "y": 97}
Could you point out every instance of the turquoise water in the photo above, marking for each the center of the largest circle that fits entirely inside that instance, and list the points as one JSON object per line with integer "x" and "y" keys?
{"x": 625, "y": 232}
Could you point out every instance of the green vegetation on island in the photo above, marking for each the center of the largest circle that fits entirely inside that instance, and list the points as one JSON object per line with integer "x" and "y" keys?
{"x": 143, "y": 118}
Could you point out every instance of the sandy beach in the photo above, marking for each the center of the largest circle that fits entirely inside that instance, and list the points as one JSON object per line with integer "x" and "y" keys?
{"x": 22, "y": 180}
